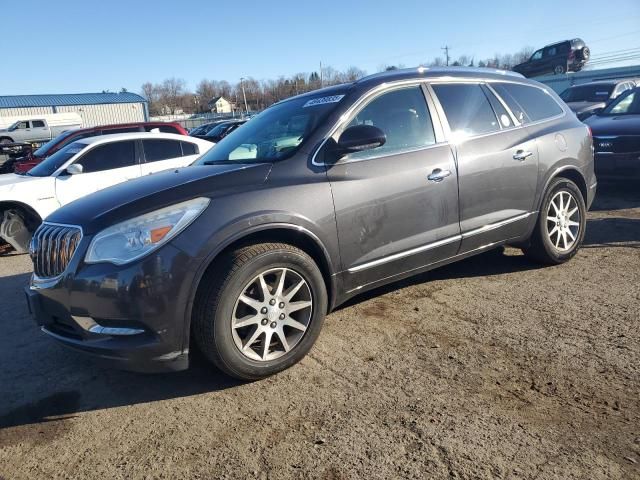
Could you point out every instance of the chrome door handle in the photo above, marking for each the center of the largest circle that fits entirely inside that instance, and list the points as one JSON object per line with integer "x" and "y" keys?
{"x": 438, "y": 175}
{"x": 521, "y": 155}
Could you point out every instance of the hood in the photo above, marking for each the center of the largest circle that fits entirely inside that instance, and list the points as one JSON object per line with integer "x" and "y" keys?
{"x": 614, "y": 124}
{"x": 137, "y": 197}
{"x": 584, "y": 107}
{"x": 9, "y": 181}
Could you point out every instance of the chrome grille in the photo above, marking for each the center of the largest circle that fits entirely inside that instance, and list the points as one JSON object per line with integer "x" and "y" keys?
{"x": 52, "y": 248}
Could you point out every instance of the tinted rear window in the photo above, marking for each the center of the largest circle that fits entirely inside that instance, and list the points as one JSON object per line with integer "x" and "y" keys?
{"x": 189, "y": 148}
{"x": 156, "y": 150}
{"x": 535, "y": 102}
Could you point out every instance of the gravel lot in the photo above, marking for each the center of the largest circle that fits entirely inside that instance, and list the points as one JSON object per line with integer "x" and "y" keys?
{"x": 490, "y": 368}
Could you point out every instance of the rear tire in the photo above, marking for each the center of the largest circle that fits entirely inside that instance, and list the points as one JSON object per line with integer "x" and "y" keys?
{"x": 561, "y": 223}
{"x": 559, "y": 69}
{"x": 249, "y": 319}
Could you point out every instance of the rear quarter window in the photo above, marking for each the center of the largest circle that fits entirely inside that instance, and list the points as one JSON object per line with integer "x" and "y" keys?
{"x": 529, "y": 104}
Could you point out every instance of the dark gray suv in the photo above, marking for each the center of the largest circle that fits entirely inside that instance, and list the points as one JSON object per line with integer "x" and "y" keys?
{"x": 317, "y": 199}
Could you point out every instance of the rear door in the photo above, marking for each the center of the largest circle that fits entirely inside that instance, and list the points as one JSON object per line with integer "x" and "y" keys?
{"x": 391, "y": 217}
{"x": 497, "y": 164}
{"x": 162, "y": 154}
{"x": 104, "y": 165}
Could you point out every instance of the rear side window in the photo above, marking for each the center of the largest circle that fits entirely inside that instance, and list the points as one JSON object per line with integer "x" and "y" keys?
{"x": 403, "y": 116}
{"x": 535, "y": 102}
{"x": 37, "y": 124}
{"x": 156, "y": 150}
{"x": 467, "y": 109}
{"x": 498, "y": 108}
{"x": 189, "y": 148}
{"x": 109, "y": 156}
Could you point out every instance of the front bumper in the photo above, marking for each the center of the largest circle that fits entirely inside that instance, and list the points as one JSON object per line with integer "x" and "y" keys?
{"x": 133, "y": 317}
{"x": 617, "y": 165}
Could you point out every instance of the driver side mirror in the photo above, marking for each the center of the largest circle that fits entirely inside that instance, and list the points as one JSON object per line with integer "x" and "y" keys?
{"x": 75, "y": 169}
{"x": 359, "y": 138}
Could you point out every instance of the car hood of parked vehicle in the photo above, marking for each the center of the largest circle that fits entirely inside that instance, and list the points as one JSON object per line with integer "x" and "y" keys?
{"x": 614, "y": 124}
{"x": 17, "y": 187}
{"x": 9, "y": 181}
{"x": 146, "y": 194}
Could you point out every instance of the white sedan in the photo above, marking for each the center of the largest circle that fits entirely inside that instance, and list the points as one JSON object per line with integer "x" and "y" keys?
{"x": 83, "y": 167}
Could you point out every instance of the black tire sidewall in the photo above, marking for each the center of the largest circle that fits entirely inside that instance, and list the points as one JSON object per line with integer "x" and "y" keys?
{"x": 228, "y": 353}
{"x": 559, "y": 67}
{"x": 572, "y": 188}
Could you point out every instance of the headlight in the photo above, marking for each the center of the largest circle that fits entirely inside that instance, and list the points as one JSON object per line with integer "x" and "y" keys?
{"x": 132, "y": 239}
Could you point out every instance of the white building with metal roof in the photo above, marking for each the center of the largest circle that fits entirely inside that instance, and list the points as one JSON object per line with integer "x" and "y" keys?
{"x": 94, "y": 108}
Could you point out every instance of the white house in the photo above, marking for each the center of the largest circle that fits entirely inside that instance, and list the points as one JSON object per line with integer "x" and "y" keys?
{"x": 220, "y": 105}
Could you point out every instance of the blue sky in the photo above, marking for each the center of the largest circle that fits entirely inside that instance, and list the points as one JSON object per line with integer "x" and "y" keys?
{"x": 81, "y": 46}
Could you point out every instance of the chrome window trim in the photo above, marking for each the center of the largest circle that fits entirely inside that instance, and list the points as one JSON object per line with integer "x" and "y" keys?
{"x": 433, "y": 101}
{"x": 500, "y": 99}
{"x": 391, "y": 154}
{"x": 516, "y": 122}
{"x": 545, "y": 90}
{"x": 439, "y": 243}
{"x": 365, "y": 98}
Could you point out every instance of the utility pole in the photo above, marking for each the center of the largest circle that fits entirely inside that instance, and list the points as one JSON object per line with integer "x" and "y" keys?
{"x": 446, "y": 53}
{"x": 246, "y": 108}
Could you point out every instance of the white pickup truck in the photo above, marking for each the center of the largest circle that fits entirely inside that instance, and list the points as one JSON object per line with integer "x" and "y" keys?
{"x": 83, "y": 167}
{"x": 38, "y": 128}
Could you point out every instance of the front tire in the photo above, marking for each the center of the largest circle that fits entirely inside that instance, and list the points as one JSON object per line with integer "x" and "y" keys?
{"x": 259, "y": 310}
{"x": 560, "y": 228}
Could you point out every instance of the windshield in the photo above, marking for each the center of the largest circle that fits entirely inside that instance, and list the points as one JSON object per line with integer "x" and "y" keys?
{"x": 55, "y": 161}
{"x": 218, "y": 129}
{"x": 47, "y": 149}
{"x": 276, "y": 133}
{"x": 587, "y": 93}
{"x": 626, "y": 104}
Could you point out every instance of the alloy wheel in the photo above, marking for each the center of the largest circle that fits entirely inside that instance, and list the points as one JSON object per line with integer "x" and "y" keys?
{"x": 272, "y": 314}
{"x": 563, "y": 221}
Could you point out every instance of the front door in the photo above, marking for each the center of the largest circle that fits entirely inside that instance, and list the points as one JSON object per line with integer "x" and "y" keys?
{"x": 497, "y": 164}
{"x": 397, "y": 205}
{"x": 104, "y": 165}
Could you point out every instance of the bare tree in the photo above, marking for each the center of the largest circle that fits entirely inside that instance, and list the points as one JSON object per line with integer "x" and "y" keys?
{"x": 171, "y": 92}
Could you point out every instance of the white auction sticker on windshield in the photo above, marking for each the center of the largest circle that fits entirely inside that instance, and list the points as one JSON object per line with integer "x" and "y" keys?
{"x": 323, "y": 100}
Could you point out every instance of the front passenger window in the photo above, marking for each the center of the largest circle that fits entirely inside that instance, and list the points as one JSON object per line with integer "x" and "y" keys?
{"x": 404, "y": 118}
{"x": 108, "y": 157}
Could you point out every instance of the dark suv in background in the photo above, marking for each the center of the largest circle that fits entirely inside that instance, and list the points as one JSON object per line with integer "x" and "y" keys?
{"x": 557, "y": 58}
{"x": 319, "y": 198}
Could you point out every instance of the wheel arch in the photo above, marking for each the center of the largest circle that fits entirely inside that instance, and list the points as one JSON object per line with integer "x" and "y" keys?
{"x": 570, "y": 173}
{"x": 291, "y": 234}
{"x": 4, "y": 137}
{"x": 29, "y": 210}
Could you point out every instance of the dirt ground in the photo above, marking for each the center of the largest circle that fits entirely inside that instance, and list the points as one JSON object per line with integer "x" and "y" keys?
{"x": 490, "y": 368}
